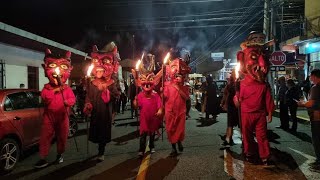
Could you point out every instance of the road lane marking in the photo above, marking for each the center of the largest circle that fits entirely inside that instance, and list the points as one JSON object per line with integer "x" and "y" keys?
{"x": 144, "y": 164}
{"x": 304, "y": 167}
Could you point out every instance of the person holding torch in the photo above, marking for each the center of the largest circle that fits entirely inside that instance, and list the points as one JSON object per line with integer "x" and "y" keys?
{"x": 149, "y": 103}
{"x": 58, "y": 98}
{"x": 100, "y": 94}
{"x": 175, "y": 95}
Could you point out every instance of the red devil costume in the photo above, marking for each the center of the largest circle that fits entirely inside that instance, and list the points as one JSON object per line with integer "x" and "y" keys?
{"x": 175, "y": 96}
{"x": 57, "y": 98}
{"x": 149, "y": 103}
{"x": 101, "y": 92}
{"x": 255, "y": 99}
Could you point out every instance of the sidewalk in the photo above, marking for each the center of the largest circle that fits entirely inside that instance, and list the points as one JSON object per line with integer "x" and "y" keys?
{"x": 302, "y": 114}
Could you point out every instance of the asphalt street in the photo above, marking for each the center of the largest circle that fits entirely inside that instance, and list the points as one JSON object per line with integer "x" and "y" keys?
{"x": 203, "y": 156}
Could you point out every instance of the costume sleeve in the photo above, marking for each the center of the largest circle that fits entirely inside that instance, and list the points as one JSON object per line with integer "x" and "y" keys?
{"x": 70, "y": 98}
{"x": 47, "y": 96}
{"x": 269, "y": 101}
{"x": 184, "y": 92}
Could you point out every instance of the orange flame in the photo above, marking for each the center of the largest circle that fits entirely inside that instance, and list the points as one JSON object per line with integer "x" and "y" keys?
{"x": 138, "y": 64}
{"x": 166, "y": 58}
{"x": 57, "y": 70}
{"x": 90, "y": 70}
{"x": 237, "y": 69}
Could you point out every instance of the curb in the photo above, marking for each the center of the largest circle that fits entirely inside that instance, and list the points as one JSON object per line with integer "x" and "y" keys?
{"x": 301, "y": 119}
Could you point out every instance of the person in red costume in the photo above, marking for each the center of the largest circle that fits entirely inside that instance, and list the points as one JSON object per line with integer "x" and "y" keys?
{"x": 101, "y": 92}
{"x": 255, "y": 100}
{"x": 175, "y": 96}
{"x": 58, "y": 98}
{"x": 150, "y": 105}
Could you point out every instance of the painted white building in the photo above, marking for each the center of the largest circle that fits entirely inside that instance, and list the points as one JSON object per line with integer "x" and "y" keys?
{"x": 21, "y": 56}
{"x": 16, "y": 61}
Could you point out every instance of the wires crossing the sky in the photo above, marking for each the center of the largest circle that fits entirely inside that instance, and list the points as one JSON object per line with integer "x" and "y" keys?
{"x": 157, "y": 2}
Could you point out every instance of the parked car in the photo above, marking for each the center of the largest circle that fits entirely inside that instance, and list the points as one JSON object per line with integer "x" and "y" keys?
{"x": 21, "y": 113}
{"x": 20, "y": 123}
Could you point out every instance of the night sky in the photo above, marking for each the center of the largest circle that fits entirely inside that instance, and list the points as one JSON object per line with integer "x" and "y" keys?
{"x": 157, "y": 26}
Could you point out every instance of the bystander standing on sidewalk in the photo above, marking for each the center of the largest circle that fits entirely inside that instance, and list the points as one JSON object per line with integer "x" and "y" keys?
{"x": 313, "y": 105}
{"x": 292, "y": 95}
{"x": 284, "y": 116}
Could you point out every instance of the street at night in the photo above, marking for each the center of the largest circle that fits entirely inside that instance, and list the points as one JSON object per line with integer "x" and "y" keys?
{"x": 160, "y": 89}
{"x": 203, "y": 157}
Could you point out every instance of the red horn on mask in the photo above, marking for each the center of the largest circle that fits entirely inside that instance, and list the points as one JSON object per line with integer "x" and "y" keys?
{"x": 95, "y": 48}
{"x": 68, "y": 55}
{"x": 48, "y": 52}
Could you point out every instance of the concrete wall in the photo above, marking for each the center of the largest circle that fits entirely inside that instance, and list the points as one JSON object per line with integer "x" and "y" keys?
{"x": 16, "y": 62}
{"x": 312, "y": 13}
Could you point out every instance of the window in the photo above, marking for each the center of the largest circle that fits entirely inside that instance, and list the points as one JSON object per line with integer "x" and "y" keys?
{"x": 7, "y": 105}
{"x": 2, "y": 74}
{"x": 35, "y": 99}
{"x": 19, "y": 100}
{"x": 33, "y": 77}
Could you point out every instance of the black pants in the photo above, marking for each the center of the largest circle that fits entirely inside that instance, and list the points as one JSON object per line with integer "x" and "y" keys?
{"x": 315, "y": 129}
{"x": 143, "y": 139}
{"x": 102, "y": 148}
{"x": 293, "y": 114}
{"x": 123, "y": 101}
{"x": 284, "y": 116}
{"x": 135, "y": 111}
{"x": 188, "y": 104}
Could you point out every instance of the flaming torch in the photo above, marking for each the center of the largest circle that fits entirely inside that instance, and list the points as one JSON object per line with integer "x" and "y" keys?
{"x": 165, "y": 60}
{"x": 90, "y": 68}
{"x": 137, "y": 74}
{"x": 57, "y": 71}
{"x": 237, "y": 69}
{"x": 237, "y": 88}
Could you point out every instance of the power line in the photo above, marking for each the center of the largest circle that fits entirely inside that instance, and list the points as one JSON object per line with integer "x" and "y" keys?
{"x": 210, "y": 13}
{"x": 186, "y": 27}
{"x": 147, "y": 3}
{"x": 229, "y": 33}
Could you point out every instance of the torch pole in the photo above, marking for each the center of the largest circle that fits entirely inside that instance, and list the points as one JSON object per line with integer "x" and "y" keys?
{"x": 87, "y": 116}
{"x": 66, "y": 109}
{"x": 162, "y": 98}
{"x": 136, "y": 110}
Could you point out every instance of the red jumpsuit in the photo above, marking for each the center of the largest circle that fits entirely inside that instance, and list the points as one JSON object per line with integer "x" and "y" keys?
{"x": 149, "y": 123}
{"x": 175, "y": 111}
{"x": 256, "y": 101}
{"x": 55, "y": 118}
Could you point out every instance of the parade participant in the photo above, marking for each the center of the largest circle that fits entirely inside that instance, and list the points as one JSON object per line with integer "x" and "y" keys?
{"x": 255, "y": 100}
{"x": 150, "y": 106}
{"x": 58, "y": 98}
{"x": 101, "y": 92}
{"x": 228, "y": 105}
{"x": 175, "y": 95}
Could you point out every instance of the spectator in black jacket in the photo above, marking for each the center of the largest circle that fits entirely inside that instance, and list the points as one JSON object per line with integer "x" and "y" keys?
{"x": 292, "y": 96}
{"x": 284, "y": 117}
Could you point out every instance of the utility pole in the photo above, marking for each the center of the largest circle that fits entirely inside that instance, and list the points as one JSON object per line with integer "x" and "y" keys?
{"x": 266, "y": 19}
{"x": 133, "y": 44}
